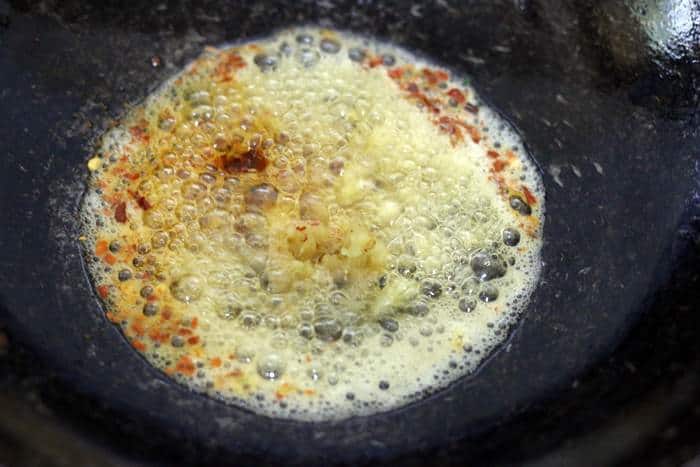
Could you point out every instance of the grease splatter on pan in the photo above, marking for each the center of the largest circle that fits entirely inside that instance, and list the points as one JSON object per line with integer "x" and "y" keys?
{"x": 313, "y": 226}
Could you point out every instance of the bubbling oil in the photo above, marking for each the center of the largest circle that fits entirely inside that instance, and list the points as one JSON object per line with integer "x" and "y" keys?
{"x": 314, "y": 226}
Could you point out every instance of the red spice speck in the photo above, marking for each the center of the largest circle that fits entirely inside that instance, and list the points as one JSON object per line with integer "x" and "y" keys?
{"x": 138, "y": 345}
{"x": 253, "y": 160}
{"x": 499, "y": 165}
{"x": 167, "y": 313}
{"x": 137, "y": 328}
{"x": 143, "y": 203}
{"x": 457, "y": 95}
{"x": 185, "y": 366}
{"x": 101, "y": 247}
{"x": 493, "y": 154}
{"x": 112, "y": 317}
{"x": 416, "y": 94}
{"x": 193, "y": 340}
{"x": 158, "y": 336}
{"x": 529, "y": 197}
{"x": 375, "y": 61}
{"x": 228, "y": 63}
{"x": 140, "y": 131}
{"x": 103, "y": 290}
{"x": 120, "y": 212}
{"x": 110, "y": 259}
{"x": 395, "y": 73}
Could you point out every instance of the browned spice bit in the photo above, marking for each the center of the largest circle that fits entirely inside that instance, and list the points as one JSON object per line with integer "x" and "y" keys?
{"x": 499, "y": 165}
{"x": 120, "y": 212}
{"x": 143, "y": 203}
{"x": 140, "y": 131}
{"x": 253, "y": 160}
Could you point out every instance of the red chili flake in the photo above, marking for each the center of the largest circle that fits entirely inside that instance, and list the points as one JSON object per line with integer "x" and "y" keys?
{"x": 452, "y": 127}
{"x": 395, "y": 73}
{"x": 375, "y": 61}
{"x": 120, "y": 212}
{"x": 301, "y": 228}
{"x": 167, "y": 313}
{"x": 110, "y": 259}
{"x": 101, "y": 247}
{"x": 140, "y": 131}
{"x": 228, "y": 63}
{"x": 429, "y": 75}
{"x": 474, "y": 133}
{"x": 499, "y": 165}
{"x": 193, "y": 340}
{"x": 132, "y": 176}
{"x": 215, "y": 362}
{"x": 413, "y": 89}
{"x": 194, "y": 322}
{"x": 185, "y": 365}
{"x": 253, "y": 160}
{"x": 493, "y": 154}
{"x": 103, "y": 290}
{"x": 138, "y": 345}
{"x": 184, "y": 332}
{"x": 143, "y": 203}
{"x": 529, "y": 197}
{"x": 158, "y": 336}
{"x": 113, "y": 317}
{"x": 457, "y": 95}
{"x": 138, "y": 329}
{"x": 434, "y": 77}
{"x": 236, "y": 372}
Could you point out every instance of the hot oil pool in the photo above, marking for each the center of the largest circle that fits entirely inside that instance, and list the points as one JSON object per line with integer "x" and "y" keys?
{"x": 313, "y": 226}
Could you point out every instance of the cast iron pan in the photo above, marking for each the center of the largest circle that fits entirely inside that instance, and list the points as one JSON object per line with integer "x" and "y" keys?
{"x": 607, "y": 106}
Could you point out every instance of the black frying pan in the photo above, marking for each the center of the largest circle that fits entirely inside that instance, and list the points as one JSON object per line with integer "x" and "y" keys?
{"x": 607, "y": 103}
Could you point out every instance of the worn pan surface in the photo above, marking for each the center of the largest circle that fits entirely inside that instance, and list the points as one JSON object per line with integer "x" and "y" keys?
{"x": 605, "y": 96}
